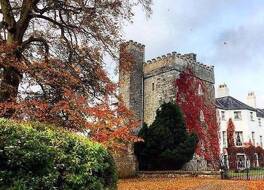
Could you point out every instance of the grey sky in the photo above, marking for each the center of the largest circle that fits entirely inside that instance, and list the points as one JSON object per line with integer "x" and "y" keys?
{"x": 226, "y": 33}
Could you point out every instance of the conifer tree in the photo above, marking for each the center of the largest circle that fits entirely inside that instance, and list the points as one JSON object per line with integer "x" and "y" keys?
{"x": 167, "y": 145}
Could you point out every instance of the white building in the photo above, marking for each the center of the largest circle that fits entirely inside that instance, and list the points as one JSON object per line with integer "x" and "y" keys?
{"x": 247, "y": 118}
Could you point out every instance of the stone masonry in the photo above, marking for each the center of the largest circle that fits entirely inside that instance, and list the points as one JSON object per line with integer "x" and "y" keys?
{"x": 150, "y": 83}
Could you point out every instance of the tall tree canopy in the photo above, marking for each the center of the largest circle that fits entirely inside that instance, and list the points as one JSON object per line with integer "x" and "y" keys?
{"x": 51, "y": 65}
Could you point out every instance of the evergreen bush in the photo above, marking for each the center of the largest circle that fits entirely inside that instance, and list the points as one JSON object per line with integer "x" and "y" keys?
{"x": 167, "y": 145}
{"x": 38, "y": 156}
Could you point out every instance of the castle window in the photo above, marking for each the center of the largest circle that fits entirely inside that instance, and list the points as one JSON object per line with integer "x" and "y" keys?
{"x": 153, "y": 86}
{"x": 259, "y": 121}
{"x": 202, "y": 116}
{"x": 200, "y": 90}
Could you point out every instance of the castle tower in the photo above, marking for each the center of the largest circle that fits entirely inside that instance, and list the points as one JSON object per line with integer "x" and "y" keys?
{"x": 132, "y": 55}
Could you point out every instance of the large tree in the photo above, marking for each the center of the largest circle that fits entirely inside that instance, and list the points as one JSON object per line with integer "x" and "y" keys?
{"x": 51, "y": 64}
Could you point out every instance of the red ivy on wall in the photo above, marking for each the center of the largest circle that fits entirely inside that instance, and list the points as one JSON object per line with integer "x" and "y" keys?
{"x": 230, "y": 133}
{"x": 248, "y": 149}
{"x": 197, "y": 104}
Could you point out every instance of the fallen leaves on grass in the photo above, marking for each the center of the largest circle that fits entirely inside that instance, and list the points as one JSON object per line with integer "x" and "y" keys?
{"x": 187, "y": 184}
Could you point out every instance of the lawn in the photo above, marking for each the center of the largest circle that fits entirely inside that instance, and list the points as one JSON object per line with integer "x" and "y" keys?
{"x": 252, "y": 173}
{"x": 187, "y": 184}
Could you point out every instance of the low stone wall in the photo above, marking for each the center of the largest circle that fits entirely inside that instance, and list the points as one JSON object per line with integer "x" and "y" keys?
{"x": 196, "y": 164}
{"x": 126, "y": 163}
{"x": 127, "y": 166}
{"x": 178, "y": 173}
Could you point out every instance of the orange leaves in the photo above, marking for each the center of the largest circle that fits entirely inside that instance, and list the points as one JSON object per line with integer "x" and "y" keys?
{"x": 74, "y": 96}
{"x": 187, "y": 183}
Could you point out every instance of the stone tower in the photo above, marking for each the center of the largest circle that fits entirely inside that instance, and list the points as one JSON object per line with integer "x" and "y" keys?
{"x": 132, "y": 56}
{"x": 145, "y": 85}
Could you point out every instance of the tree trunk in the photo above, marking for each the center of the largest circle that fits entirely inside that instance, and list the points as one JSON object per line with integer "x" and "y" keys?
{"x": 9, "y": 87}
{"x": 11, "y": 76}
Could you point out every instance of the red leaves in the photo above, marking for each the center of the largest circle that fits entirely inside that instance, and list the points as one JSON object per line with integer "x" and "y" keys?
{"x": 194, "y": 98}
{"x": 230, "y": 133}
{"x": 77, "y": 97}
{"x": 248, "y": 148}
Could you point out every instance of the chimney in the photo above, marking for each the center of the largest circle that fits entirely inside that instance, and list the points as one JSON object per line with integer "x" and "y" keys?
{"x": 222, "y": 91}
{"x": 251, "y": 99}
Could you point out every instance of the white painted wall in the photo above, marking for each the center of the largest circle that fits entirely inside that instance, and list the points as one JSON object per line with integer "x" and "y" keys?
{"x": 246, "y": 125}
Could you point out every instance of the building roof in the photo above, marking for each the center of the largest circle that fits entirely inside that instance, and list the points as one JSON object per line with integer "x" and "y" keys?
{"x": 230, "y": 103}
{"x": 260, "y": 113}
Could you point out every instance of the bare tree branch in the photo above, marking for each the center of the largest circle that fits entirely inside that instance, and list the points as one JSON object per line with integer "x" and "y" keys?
{"x": 42, "y": 40}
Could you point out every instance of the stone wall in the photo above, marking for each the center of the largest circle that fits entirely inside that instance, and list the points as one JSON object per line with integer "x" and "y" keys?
{"x": 131, "y": 81}
{"x": 160, "y": 75}
{"x": 196, "y": 164}
{"x": 126, "y": 162}
{"x": 148, "y": 84}
{"x": 158, "y": 88}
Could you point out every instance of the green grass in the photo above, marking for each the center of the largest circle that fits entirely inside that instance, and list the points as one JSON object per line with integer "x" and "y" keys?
{"x": 252, "y": 173}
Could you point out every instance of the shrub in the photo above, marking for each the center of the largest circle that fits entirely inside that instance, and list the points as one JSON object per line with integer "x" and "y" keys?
{"x": 38, "y": 156}
{"x": 167, "y": 145}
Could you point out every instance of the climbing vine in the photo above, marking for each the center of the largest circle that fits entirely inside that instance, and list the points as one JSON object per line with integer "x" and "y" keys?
{"x": 197, "y": 103}
{"x": 230, "y": 133}
{"x": 247, "y": 148}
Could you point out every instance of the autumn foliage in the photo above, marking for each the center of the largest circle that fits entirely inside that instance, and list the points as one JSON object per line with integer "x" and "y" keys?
{"x": 159, "y": 183}
{"x": 247, "y": 148}
{"x": 197, "y": 104}
{"x": 230, "y": 133}
{"x": 52, "y": 68}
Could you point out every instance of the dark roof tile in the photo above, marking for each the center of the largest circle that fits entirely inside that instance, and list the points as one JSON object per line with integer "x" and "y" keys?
{"x": 230, "y": 103}
{"x": 260, "y": 113}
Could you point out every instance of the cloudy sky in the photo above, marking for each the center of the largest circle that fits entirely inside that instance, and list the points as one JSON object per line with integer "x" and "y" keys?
{"x": 228, "y": 34}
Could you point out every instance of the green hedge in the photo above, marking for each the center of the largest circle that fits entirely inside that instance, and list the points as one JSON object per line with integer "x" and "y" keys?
{"x": 37, "y": 156}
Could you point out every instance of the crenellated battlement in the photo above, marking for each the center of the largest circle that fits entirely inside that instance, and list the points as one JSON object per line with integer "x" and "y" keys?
{"x": 133, "y": 44}
{"x": 176, "y": 59}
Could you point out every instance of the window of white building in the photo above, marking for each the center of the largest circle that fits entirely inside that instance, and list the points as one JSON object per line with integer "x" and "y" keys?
{"x": 239, "y": 138}
{"x": 261, "y": 142}
{"x": 259, "y": 121}
{"x": 224, "y": 139}
{"x": 253, "y": 138}
{"x": 237, "y": 115}
{"x": 256, "y": 163}
{"x": 223, "y": 115}
{"x": 251, "y": 116}
{"x": 241, "y": 161}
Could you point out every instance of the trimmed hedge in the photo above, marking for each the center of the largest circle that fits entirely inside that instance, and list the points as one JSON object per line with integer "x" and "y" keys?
{"x": 38, "y": 156}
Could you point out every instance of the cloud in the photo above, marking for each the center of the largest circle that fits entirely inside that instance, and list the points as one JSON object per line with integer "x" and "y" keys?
{"x": 224, "y": 33}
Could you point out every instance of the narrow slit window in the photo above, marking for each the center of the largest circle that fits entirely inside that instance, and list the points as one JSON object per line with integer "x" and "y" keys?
{"x": 153, "y": 86}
